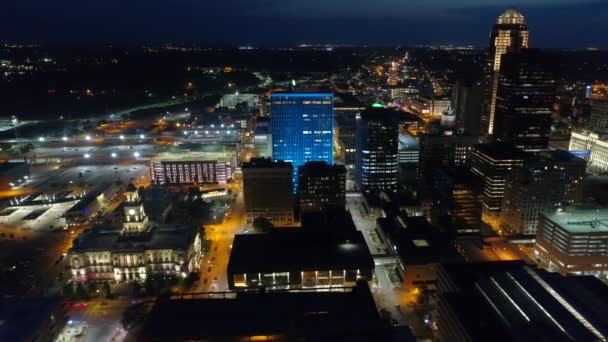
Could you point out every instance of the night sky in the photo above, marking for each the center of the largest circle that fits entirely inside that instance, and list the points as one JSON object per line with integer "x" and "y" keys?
{"x": 553, "y": 23}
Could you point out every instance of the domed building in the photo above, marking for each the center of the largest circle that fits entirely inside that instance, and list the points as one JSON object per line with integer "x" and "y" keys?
{"x": 136, "y": 251}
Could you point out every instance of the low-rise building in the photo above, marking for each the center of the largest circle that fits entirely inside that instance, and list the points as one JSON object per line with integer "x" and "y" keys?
{"x": 591, "y": 146}
{"x": 213, "y": 165}
{"x": 510, "y": 301}
{"x": 574, "y": 240}
{"x": 295, "y": 258}
{"x": 137, "y": 251}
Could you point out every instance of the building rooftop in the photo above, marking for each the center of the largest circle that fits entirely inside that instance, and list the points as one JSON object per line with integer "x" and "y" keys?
{"x": 417, "y": 242}
{"x": 510, "y": 301}
{"x": 320, "y": 168}
{"x": 350, "y": 315}
{"x": 580, "y": 219}
{"x": 164, "y": 236}
{"x": 297, "y": 250}
{"x": 189, "y": 155}
{"x": 265, "y": 163}
{"x": 501, "y": 151}
{"x": 511, "y": 16}
{"x": 379, "y": 114}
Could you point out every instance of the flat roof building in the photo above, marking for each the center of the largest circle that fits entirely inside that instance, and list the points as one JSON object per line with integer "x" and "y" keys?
{"x": 268, "y": 190}
{"x": 493, "y": 162}
{"x": 295, "y": 258}
{"x": 510, "y": 301}
{"x": 321, "y": 185}
{"x": 206, "y": 165}
{"x": 349, "y": 314}
{"x": 574, "y": 240}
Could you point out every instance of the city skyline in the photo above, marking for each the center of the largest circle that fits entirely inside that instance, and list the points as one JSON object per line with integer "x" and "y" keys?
{"x": 265, "y": 23}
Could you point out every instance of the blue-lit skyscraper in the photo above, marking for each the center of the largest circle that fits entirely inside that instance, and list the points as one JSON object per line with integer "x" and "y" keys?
{"x": 302, "y": 128}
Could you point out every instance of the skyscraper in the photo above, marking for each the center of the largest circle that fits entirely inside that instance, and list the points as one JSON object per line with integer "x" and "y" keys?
{"x": 321, "y": 185}
{"x": 302, "y": 128}
{"x": 509, "y": 34}
{"x": 268, "y": 190}
{"x": 467, "y": 98}
{"x": 493, "y": 162}
{"x": 527, "y": 87}
{"x": 377, "y": 151}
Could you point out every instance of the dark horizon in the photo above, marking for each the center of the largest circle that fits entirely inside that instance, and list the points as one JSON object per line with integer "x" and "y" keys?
{"x": 552, "y": 24}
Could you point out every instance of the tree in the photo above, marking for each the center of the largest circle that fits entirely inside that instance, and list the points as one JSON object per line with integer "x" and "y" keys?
{"x": 133, "y": 315}
{"x": 68, "y": 290}
{"x": 107, "y": 291}
{"x": 81, "y": 291}
{"x": 262, "y": 224}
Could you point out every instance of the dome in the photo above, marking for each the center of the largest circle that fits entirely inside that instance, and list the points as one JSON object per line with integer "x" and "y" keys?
{"x": 511, "y": 16}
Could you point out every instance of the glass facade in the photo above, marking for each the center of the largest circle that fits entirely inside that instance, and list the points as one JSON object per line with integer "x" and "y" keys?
{"x": 302, "y": 128}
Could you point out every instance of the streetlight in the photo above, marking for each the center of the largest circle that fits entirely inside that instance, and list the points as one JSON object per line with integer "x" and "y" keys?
{"x": 141, "y": 136}
{"x": 136, "y": 154}
{"x": 122, "y": 137}
{"x": 86, "y": 155}
{"x": 41, "y": 139}
{"x": 64, "y": 138}
{"x": 88, "y": 137}
{"x": 113, "y": 154}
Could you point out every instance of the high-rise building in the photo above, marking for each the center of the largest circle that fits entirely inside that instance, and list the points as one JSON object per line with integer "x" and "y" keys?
{"x": 599, "y": 114}
{"x": 268, "y": 190}
{"x": 442, "y": 148}
{"x": 526, "y": 92}
{"x": 321, "y": 185}
{"x": 525, "y": 197}
{"x": 302, "y": 128}
{"x": 510, "y": 34}
{"x": 377, "y": 156}
{"x": 467, "y": 100}
{"x": 493, "y": 162}
{"x": 574, "y": 240}
{"x": 549, "y": 180}
{"x": 457, "y": 194}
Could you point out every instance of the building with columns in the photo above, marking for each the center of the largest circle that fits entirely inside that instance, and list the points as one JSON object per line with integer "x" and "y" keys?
{"x": 136, "y": 251}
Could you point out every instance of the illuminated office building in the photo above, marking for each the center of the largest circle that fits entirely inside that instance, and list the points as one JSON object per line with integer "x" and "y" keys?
{"x": 493, "y": 162}
{"x": 321, "y": 185}
{"x": 268, "y": 190}
{"x": 510, "y": 34}
{"x": 377, "y": 156}
{"x": 302, "y": 128}
{"x": 527, "y": 88}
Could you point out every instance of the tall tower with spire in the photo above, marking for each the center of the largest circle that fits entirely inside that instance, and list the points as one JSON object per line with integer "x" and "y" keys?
{"x": 510, "y": 34}
{"x": 136, "y": 220}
